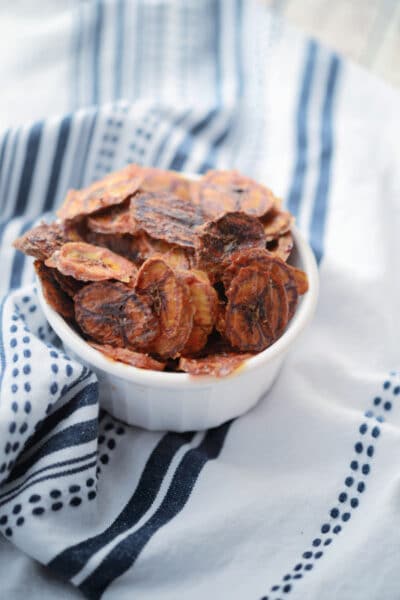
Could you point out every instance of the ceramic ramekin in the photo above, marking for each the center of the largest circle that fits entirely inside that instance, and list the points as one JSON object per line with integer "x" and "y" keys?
{"x": 176, "y": 401}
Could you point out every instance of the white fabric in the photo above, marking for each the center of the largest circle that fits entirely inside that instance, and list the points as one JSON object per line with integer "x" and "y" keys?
{"x": 261, "y": 518}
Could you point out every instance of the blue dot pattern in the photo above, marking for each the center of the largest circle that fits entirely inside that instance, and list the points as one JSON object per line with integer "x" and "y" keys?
{"x": 37, "y": 374}
{"x": 354, "y": 486}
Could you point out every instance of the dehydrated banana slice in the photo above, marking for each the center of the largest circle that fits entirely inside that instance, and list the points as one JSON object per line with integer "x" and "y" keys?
{"x": 277, "y": 222}
{"x": 214, "y": 365}
{"x": 129, "y": 357}
{"x": 205, "y": 305}
{"x": 42, "y": 240}
{"x": 282, "y": 274}
{"x": 300, "y": 279}
{"x": 111, "y": 313}
{"x": 53, "y": 294}
{"x": 158, "y": 180}
{"x": 114, "y": 220}
{"x": 68, "y": 284}
{"x": 166, "y": 217}
{"x": 219, "y": 239}
{"x": 109, "y": 191}
{"x": 247, "y": 257}
{"x": 247, "y": 320}
{"x": 91, "y": 263}
{"x": 170, "y": 299}
{"x": 219, "y": 192}
{"x": 282, "y": 246}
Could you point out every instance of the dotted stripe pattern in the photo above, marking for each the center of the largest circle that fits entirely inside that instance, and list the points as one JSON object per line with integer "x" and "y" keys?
{"x": 37, "y": 505}
{"x": 350, "y": 496}
{"x": 108, "y": 145}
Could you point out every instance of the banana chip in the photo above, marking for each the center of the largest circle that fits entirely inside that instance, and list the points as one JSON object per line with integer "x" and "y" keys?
{"x": 42, "y": 240}
{"x": 276, "y": 223}
{"x": 170, "y": 299}
{"x": 214, "y": 365}
{"x": 53, "y": 294}
{"x": 68, "y": 284}
{"x": 167, "y": 217}
{"x": 91, "y": 263}
{"x": 220, "y": 192}
{"x": 205, "y": 305}
{"x": 129, "y": 357}
{"x": 112, "y": 313}
{"x": 219, "y": 239}
{"x": 282, "y": 246}
{"x": 158, "y": 180}
{"x": 247, "y": 321}
{"x": 114, "y": 220}
{"x": 109, "y": 191}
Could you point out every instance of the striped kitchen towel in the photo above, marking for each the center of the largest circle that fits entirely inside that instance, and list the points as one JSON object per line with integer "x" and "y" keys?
{"x": 300, "y": 497}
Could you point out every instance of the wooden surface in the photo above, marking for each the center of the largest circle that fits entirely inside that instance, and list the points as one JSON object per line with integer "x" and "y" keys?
{"x": 368, "y": 31}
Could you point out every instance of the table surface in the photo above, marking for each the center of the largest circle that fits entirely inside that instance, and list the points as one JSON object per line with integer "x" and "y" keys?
{"x": 367, "y": 31}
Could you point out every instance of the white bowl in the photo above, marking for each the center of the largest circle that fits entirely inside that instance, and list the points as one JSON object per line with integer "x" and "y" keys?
{"x": 176, "y": 401}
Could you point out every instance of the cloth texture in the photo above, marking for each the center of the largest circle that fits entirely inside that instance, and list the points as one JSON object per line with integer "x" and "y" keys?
{"x": 299, "y": 498}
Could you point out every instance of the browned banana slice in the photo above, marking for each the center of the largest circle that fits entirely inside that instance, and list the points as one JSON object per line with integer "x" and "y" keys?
{"x": 114, "y": 220}
{"x": 247, "y": 257}
{"x": 68, "y": 284}
{"x": 301, "y": 280}
{"x": 91, "y": 263}
{"x": 282, "y": 274}
{"x": 111, "y": 313}
{"x": 214, "y": 365}
{"x": 205, "y": 305}
{"x": 171, "y": 303}
{"x": 277, "y": 222}
{"x": 219, "y": 192}
{"x": 219, "y": 239}
{"x": 109, "y": 191}
{"x": 166, "y": 217}
{"x": 158, "y": 180}
{"x": 53, "y": 294}
{"x": 282, "y": 246}
{"x": 42, "y": 240}
{"x": 129, "y": 357}
{"x": 247, "y": 320}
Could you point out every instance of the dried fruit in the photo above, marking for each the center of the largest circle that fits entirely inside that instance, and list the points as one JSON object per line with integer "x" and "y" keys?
{"x": 219, "y": 239}
{"x": 205, "y": 305}
{"x": 91, "y": 263}
{"x": 53, "y": 294}
{"x": 112, "y": 313}
{"x": 68, "y": 284}
{"x": 42, "y": 240}
{"x": 129, "y": 357}
{"x": 300, "y": 279}
{"x": 247, "y": 319}
{"x": 247, "y": 257}
{"x": 158, "y": 180}
{"x": 109, "y": 191}
{"x": 277, "y": 222}
{"x": 170, "y": 299}
{"x": 116, "y": 219}
{"x": 282, "y": 275}
{"x": 220, "y": 192}
{"x": 282, "y": 246}
{"x": 214, "y": 365}
{"x": 166, "y": 217}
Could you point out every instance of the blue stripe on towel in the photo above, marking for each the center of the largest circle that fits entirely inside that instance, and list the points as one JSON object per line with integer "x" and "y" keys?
{"x": 73, "y": 559}
{"x": 28, "y": 169}
{"x": 319, "y": 214}
{"x": 123, "y": 556}
{"x": 300, "y": 167}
